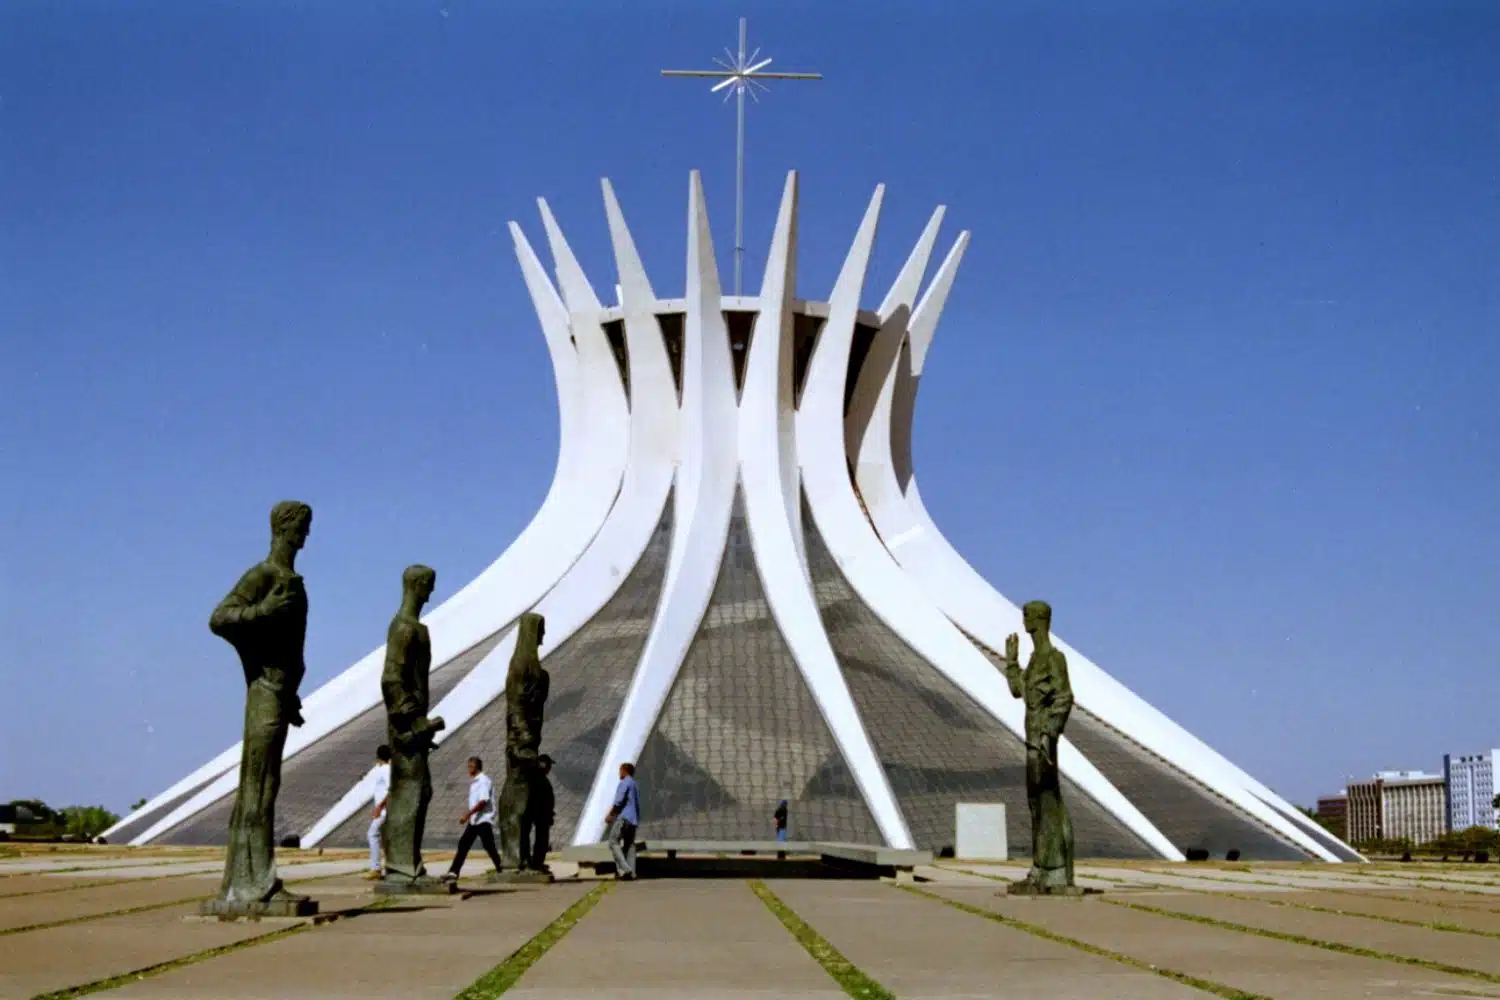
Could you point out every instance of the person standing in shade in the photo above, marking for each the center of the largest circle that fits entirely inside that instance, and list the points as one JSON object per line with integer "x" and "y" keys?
{"x": 778, "y": 820}
{"x": 478, "y": 821}
{"x": 540, "y": 810}
{"x": 624, "y": 816}
{"x": 379, "y": 783}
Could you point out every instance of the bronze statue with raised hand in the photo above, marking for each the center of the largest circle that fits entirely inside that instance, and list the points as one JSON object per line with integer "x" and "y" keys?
{"x": 265, "y": 619}
{"x": 1049, "y": 699}
{"x": 408, "y": 658}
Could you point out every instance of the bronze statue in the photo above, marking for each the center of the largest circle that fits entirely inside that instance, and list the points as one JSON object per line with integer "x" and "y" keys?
{"x": 526, "y": 687}
{"x": 408, "y": 657}
{"x": 1049, "y": 698}
{"x": 265, "y": 619}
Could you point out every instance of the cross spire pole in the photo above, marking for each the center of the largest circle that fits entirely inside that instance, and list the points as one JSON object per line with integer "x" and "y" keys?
{"x": 740, "y": 75}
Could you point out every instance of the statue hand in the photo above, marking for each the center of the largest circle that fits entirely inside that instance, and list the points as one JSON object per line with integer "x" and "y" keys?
{"x": 278, "y": 600}
{"x": 437, "y": 723}
{"x": 1012, "y": 648}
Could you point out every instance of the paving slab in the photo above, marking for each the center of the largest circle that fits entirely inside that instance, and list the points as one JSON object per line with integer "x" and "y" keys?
{"x": 1438, "y": 881}
{"x": 919, "y": 948}
{"x": 1289, "y": 880}
{"x": 1465, "y": 950}
{"x": 47, "y": 960}
{"x": 1244, "y": 961}
{"x": 1399, "y": 909}
{"x": 35, "y": 865}
{"x": 430, "y": 948}
{"x": 677, "y": 940}
{"x": 1449, "y": 900}
{"x": 83, "y": 953}
{"x": 24, "y": 885}
{"x": 1478, "y": 873}
{"x": 45, "y": 908}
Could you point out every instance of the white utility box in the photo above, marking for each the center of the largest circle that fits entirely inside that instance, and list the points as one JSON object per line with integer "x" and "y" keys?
{"x": 979, "y": 832}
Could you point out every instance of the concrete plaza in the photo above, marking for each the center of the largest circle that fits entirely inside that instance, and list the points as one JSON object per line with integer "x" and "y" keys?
{"x": 78, "y": 921}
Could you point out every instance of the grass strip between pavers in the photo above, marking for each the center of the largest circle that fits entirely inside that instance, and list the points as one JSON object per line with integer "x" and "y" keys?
{"x": 1393, "y": 887}
{"x": 86, "y": 917}
{"x": 101, "y": 869}
{"x": 503, "y": 976}
{"x": 161, "y": 968}
{"x": 125, "y": 979}
{"x": 1343, "y": 949}
{"x": 143, "y": 878}
{"x": 844, "y": 972}
{"x": 143, "y": 908}
{"x": 1270, "y": 900}
{"x": 1186, "y": 979}
{"x": 83, "y": 885}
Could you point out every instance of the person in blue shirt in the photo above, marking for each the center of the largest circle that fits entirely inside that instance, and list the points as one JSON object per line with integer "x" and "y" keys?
{"x": 624, "y": 816}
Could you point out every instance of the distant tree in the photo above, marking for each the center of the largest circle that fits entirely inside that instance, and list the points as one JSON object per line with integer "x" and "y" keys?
{"x": 1331, "y": 826}
{"x": 1384, "y": 845}
{"x": 137, "y": 804}
{"x": 1480, "y": 838}
{"x": 33, "y": 811}
{"x": 87, "y": 822}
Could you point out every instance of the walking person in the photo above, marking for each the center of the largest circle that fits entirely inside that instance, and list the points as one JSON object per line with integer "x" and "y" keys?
{"x": 778, "y": 820}
{"x": 379, "y": 783}
{"x": 478, "y": 821}
{"x": 624, "y": 816}
{"x": 541, "y": 805}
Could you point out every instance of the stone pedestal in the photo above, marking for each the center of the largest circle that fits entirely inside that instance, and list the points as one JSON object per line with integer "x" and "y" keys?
{"x": 228, "y": 909}
{"x": 520, "y": 878}
{"x": 1024, "y": 888}
{"x": 421, "y": 886}
{"x": 979, "y": 832}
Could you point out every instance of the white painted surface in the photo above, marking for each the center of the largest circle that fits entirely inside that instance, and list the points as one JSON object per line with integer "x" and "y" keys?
{"x": 619, "y": 458}
{"x": 594, "y": 579}
{"x": 979, "y": 832}
{"x": 969, "y": 601}
{"x": 591, "y": 460}
{"x": 705, "y": 495}
{"x": 773, "y": 507}
{"x": 880, "y": 582}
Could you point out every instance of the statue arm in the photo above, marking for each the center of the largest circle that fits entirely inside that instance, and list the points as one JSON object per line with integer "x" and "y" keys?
{"x": 1016, "y": 680}
{"x": 242, "y": 605}
{"x": 1012, "y": 665}
{"x": 1059, "y": 693}
{"x": 400, "y": 699}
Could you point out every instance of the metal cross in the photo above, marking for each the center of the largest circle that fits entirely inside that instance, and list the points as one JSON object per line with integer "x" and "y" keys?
{"x": 739, "y": 76}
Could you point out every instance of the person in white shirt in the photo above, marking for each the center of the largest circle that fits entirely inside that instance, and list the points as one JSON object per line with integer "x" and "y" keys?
{"x": 478, "y": 821}
{"x": 379, "y": 783}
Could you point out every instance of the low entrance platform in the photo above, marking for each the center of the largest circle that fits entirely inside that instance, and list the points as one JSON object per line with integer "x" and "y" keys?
{"x": 765, "y": 858}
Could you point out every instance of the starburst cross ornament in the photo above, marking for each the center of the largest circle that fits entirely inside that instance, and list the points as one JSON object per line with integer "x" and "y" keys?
{"x": 742, "y": 74}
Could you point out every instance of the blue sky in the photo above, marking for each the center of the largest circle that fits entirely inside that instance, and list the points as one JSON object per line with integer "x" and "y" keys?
{"x": 1218, "y": 377}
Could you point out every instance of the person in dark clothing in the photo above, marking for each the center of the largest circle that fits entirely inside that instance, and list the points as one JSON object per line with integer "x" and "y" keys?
{"x": 540, "y": 809}
{"x": 779, "y": 821}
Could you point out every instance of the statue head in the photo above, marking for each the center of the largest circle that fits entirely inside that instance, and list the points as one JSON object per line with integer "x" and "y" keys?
{"x": 1037, "y": 616}
{"x": 530, "y": 631}
{"x": 419, "y": 581}
{"x": 291, "y": 520}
